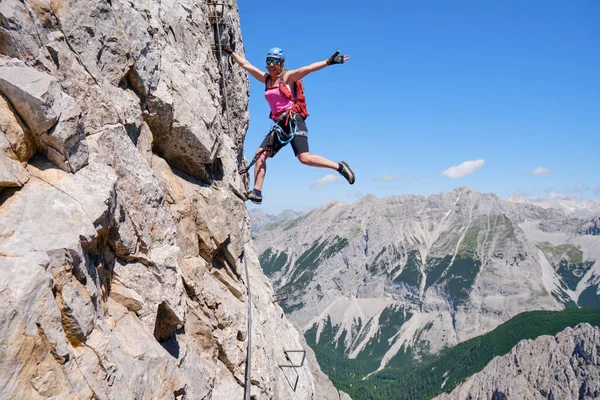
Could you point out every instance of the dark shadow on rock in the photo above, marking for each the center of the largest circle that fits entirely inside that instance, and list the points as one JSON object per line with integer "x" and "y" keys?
{"x": 498, "y": 395}
{"x": 6, "y": 193}
{"x": 166, "y": 328}
{"x": 171, "y": 345}
{"x": 187, "y": 177}
{"x": 42, "y": 163}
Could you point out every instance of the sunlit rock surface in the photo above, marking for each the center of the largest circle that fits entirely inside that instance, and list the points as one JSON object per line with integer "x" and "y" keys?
{"x": 124, "y": 236}
{"x": 565, "y": 366}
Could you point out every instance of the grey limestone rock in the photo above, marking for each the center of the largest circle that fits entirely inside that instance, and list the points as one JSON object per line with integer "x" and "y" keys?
{"x": 565, "y": 366}
{"x": 19, "y": 30}
{"x": 16, "y": 134}
{"x": 124, "y": 235}
{"x": 52, "y": 115}
{"x": 33, "y": 94}
{"x": 12, "y": 173}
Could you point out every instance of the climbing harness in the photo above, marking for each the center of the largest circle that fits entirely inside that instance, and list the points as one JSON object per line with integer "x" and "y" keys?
{"x": 278, "y": 138}
{"x": 285, "y": 138}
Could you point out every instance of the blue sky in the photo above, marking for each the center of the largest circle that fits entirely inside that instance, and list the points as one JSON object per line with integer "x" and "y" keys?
{"x": 510, "y": 87}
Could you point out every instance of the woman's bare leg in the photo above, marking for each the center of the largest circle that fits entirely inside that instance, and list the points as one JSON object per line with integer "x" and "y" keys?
{"x": 317, "y": 161}
{"x": 314, "y": 160}
{"x": 260, "y": 170}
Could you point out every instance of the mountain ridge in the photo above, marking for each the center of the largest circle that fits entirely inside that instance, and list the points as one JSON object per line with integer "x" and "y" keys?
{"x": 259, "y": 219}
{"x": 453, "y": 366}
{"x": 449, "y": 267}
{"x": 566, "y": 365}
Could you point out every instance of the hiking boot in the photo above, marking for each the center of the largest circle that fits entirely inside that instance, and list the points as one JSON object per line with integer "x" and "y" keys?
{"x": 346, "y": 172}
{"x": 253, "y": 197}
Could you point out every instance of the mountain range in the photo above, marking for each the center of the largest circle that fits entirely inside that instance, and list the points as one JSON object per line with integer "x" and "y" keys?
{"x": 392, "y": 280}
{"x": 565, "y": 366}
{"x": 259, "y": 219}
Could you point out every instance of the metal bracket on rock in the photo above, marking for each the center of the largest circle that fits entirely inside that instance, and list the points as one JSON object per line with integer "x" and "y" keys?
{"x": 293, "y": 366}
{"x": 281, "y": 296}
{"x": 216, "y": 11}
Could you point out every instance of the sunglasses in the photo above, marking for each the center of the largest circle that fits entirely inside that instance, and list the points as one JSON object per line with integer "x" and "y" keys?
{"x": 274, "y": 62}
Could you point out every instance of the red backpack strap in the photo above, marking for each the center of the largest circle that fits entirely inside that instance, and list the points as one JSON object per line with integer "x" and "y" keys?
{"x": 281, "y": 81}
{"x": 284, "y": 89}
{"x": 282, "y": 75}
{"x": 295, "y": 91}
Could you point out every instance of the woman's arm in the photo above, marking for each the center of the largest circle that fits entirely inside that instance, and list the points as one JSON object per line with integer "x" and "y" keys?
{"x": 296, "y": 74}
{"x": 245, "y": 64}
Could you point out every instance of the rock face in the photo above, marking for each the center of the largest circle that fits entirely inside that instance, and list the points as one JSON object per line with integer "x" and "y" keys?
{"x": 124, "y": 237}
{"x": 53, "y": 116}
{"x": 383, "y": 280}
{"x": 563, "y": 367}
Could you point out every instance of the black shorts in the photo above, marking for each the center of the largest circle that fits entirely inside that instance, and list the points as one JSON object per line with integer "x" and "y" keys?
{"x": 299, "y": 142}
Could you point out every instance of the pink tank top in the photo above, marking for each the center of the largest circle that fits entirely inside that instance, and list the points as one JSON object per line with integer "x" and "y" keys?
{"x": 277, "y": 101}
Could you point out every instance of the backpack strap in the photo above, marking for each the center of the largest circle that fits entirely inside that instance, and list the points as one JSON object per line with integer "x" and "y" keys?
{"x": 294, "y": 92}
{"x": 282, "y": 74}
{"x": 292, "y": 85}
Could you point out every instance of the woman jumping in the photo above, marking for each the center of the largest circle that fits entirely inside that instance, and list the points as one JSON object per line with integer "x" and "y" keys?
{"x": 278, "y": 92}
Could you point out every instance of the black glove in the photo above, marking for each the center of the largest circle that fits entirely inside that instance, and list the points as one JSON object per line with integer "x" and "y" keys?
{"x": 336, "y": 59}
{"x": 226, "y": 49}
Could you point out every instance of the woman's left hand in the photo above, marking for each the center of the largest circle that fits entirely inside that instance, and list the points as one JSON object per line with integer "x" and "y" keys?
{"x": 337, "y": 59}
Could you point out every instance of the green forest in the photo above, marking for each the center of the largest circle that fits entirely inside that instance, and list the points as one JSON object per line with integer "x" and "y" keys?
{"x": 425, "y": 380}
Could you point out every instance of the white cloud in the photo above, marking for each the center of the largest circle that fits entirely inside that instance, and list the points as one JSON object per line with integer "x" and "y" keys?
{"x": 578, "y": 192}
{"x": 539, "y": 171}
{"x": 387, "y": 178}
{"x": 464, "y": 169}
{"x": 556, "y": 195}
{"x": 326, "y": 180}
{"x": 409, "y": 178}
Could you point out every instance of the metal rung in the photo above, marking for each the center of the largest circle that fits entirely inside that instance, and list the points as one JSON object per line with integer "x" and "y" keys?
{"x": 288, "y": 357}
{"x": 293, "y": 366}
{"x": 278, "y": 297}
{"x": 215, "y": 9}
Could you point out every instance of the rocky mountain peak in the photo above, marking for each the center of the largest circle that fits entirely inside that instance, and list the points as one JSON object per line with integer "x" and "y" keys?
{"x": 517, "y": 198}
{"x": 566, "y": 366}
{"x": 259, "y": 219}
